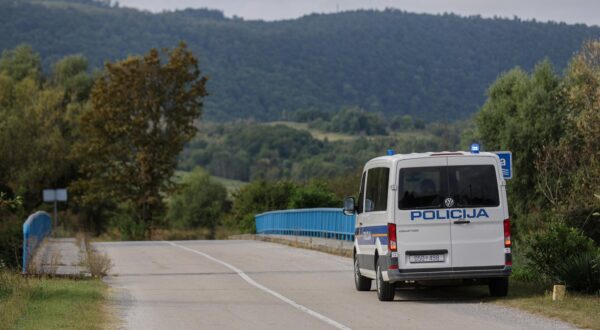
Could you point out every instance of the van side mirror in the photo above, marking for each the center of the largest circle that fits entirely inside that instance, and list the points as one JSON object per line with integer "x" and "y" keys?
{"x": 349, "y": 207}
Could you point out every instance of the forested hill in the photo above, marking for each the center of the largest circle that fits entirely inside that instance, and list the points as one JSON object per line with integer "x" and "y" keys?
{"x": 428, "y": 66}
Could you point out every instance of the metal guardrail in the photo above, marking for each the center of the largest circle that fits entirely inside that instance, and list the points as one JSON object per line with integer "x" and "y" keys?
{"x": 37, "y": 227}
{"x": 318, "y": 222}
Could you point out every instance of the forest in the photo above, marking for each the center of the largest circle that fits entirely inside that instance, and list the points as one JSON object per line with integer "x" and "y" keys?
{"x": 431, "y": 67}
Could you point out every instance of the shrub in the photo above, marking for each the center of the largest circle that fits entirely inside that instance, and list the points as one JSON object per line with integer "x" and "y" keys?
{"x": 581, "y": 272}
{"x": 313, "y": 195}
{"x": 200, "y": 203}
{"x": 11, "y": 242}
{"x": 546, "y": 251}
{"x": 129, "y": 229}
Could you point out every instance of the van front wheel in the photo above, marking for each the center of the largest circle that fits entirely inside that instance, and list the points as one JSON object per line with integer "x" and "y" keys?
{"x": 362, "y": 283}
{"x": 385, "y": 290}
{"x": 498, "y": 287}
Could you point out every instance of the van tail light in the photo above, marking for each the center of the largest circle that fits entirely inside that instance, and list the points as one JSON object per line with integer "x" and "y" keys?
{"x": 507, "y": 244}
{"x": 392, "y": 244}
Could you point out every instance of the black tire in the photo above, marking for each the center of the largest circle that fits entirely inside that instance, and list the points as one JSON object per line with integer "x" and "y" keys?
{"x": 362, "y": 283}
{"x": 385, "y": 290}
{"x": 498, "y": 287}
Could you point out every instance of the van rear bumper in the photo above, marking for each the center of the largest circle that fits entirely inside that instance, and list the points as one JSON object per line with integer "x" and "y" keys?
{"x": 396, "y": 275}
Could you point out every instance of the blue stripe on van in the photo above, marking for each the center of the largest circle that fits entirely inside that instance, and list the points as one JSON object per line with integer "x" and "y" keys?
{"x": 368, "y": 235}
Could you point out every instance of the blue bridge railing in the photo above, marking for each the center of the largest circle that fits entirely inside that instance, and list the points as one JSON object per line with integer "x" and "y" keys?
{"x": 319, "y": 222}
{"x": 37, "y": 227}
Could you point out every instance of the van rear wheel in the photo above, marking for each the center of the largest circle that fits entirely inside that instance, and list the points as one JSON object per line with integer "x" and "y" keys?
{"x": 362, "y": 283}
{"x": 385, "y": 290}
{"x": 498, "y": 287}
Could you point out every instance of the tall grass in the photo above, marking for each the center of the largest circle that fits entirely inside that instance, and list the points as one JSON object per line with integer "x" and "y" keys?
{"x": 15, "y": 292}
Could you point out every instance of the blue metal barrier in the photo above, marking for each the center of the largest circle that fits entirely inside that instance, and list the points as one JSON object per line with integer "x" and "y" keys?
{"x": 37, "y": 227}
{"x": 320, "y": 222}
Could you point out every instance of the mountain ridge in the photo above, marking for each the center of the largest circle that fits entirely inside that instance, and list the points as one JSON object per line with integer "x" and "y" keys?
{"x": 434, "y": 67}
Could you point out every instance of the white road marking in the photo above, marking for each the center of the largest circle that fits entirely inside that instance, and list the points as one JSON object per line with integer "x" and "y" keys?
{"x": 264, "y": 288}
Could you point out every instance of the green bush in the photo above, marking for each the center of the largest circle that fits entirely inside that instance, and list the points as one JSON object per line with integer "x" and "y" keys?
{"x": 547, "y": 251}
{"x": 581, "y": 272}
{"x": 129, "y": 228}
{"x": 11, "y": 242}
{"x": 313, "y": 195}
{"x": 262, "y": 196}
{"x": 201, "y": 202}
{"x": 257, "y": 197}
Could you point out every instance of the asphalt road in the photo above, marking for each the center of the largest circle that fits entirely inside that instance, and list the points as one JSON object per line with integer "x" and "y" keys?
{"x": 258, "y": 285}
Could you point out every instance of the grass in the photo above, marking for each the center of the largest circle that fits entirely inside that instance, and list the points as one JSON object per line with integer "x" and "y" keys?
{"x": 582, "y": 310}
{"x": 317, "y": 134}
{"x": 332, "y": 136}
{"x": 52, "y": 303}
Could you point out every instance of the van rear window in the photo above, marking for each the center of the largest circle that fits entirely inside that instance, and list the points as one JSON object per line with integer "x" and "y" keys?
{"x": 422, "y": 187}
{"x": 472, "y": 186}
{"x": 427, "y": 187}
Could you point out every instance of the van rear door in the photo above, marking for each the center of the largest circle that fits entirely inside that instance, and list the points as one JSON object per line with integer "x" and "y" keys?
{"x": 476, "y": 228}
{"x": 423, "y": 239}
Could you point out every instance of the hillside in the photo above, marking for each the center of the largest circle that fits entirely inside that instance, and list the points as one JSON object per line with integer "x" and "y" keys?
{"x": 434, "y": 67}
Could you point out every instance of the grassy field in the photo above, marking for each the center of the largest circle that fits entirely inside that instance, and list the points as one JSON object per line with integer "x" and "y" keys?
{"x": 332, "y": 136}
{"x": 51, "y": 303}
{"x": 317, "y": 134}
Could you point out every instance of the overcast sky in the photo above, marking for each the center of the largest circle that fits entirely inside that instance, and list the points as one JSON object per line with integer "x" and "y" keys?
{"x": 573, "y": 11}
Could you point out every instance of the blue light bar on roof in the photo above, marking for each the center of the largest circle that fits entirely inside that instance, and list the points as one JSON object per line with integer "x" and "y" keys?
{"x": 475, "y": 148}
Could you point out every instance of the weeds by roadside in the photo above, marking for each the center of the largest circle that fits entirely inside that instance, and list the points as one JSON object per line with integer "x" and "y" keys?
{"x": 97, "y": 263}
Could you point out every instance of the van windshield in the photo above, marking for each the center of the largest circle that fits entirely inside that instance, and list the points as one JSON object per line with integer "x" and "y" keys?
{"x": 427, "y": 187}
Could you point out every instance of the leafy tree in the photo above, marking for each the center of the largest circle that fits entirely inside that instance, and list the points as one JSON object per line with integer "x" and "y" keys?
{"x": 37, "y": 127}
{"x": 257, "y": 197}
{"x": 20, "y": 63}
{"x": 569, "y": 171}
{"x": 142, "y": 114}
{"x": 357, "y": 121}
{"x": 200, "y": 202}
{"x": 522, "y": 115}
{"x": 315, "y": 194}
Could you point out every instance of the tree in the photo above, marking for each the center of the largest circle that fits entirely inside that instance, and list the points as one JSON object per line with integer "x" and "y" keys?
{"x": 522, "y": 114}
{"x": 199, "y": 203}
{"x": 315, "y": 194}
{"x": 142, "y": 113}
{"x": 569, "y": 171}
{"x": 37, "y": 127}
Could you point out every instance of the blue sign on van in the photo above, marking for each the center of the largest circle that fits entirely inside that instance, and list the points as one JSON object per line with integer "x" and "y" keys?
{"x": 505, "y": 163}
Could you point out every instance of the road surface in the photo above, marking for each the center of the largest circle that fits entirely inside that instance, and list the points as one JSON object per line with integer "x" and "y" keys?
{"x": 259, "y": 285}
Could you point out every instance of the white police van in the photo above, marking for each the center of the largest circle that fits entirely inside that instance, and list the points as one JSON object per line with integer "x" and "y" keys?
{"x": 431, "y": 216}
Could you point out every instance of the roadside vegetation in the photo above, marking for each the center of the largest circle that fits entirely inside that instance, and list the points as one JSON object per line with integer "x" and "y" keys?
{"x": 580, "y": 309}
{"x": 52, "y": 303}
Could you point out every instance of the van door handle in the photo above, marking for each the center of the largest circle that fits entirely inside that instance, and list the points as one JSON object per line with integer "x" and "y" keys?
{"x": 462, "y": 222}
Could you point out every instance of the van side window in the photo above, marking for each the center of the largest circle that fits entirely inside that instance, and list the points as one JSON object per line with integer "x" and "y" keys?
{"x": 361, "y": 194}
{"x": 421, "y": 187}
{"x": 377, "y": 189}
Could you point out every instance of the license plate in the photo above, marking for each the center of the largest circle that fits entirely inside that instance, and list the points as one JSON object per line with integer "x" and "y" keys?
{"x": 426, "y": 258}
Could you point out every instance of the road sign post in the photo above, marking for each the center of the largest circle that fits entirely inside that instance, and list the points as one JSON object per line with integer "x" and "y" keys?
{"x": 54, "y": 196}
{"x": 505, "y": 163}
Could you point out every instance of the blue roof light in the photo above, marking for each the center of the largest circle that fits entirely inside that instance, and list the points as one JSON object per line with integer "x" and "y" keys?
{"x": 475, "y": 148}
{"x": 390, "y": 152}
